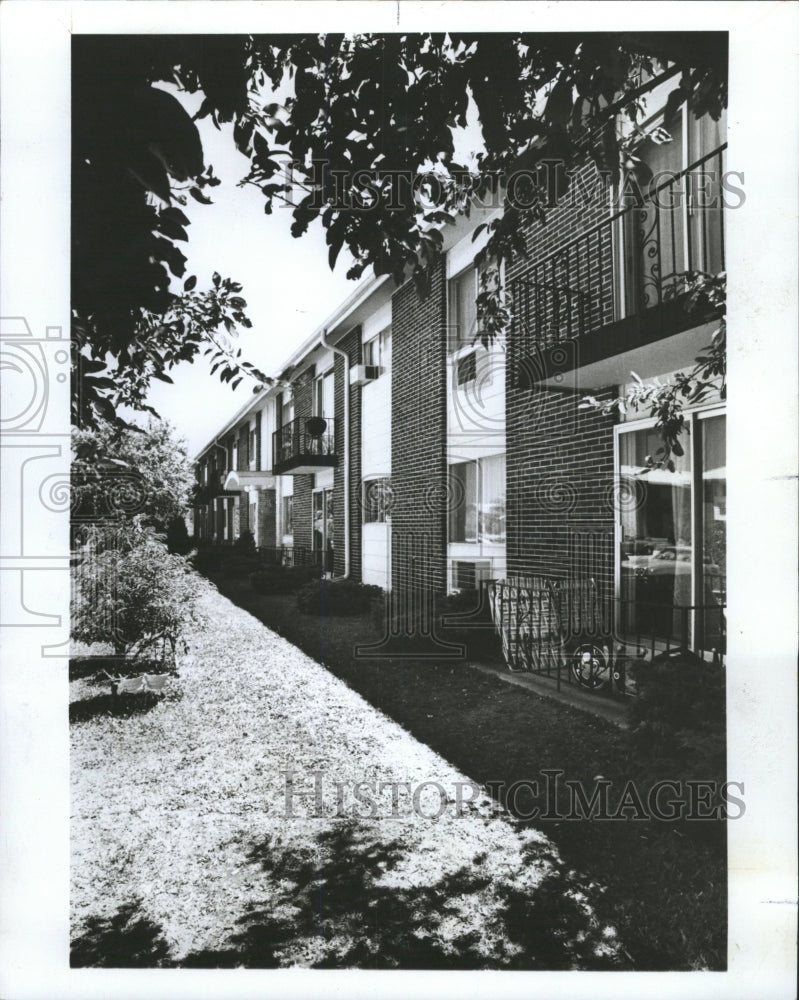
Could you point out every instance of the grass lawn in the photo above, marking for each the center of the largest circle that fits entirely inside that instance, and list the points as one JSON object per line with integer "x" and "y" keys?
{"x": 665, "y": 882}
{"x": 183, "y": 853}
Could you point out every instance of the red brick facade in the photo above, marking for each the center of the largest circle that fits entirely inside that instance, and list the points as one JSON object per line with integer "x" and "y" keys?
{"x": 419, "y": 438}
{"x": 351, "y": 343}
{"x": 560, "y": 473}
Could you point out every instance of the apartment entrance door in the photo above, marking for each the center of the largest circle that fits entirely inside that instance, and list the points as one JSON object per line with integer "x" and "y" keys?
{"x": 324, "y": 528}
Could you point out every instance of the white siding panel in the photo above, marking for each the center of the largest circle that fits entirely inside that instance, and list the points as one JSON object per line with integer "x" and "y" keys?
{"x": 375, "y": 555}
{"x": 476, "y": 410}
{"x": 376, "y": 427}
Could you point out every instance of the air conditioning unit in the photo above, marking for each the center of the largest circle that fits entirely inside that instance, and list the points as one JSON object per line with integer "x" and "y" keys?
{"x": 361, "y": 374}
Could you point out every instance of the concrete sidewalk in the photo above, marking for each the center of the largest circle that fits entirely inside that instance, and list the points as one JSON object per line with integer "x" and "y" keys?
{"x": 612, "y": 709}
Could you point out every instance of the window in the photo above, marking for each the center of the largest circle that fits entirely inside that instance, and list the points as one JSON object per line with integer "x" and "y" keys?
{"x": 324, "y": 397}
{"x": 253, "y": 445}
{"x": 288, "y": 515}
{"x": 680, "y": 228}
{"x": 672, "y": 552}
{"x": 377, "y": 351}
{"x": 376, "y": 501}
{"x": 466, "y": 368}
{"x": 477, "y": 500}
{"x": 463, "y": 309}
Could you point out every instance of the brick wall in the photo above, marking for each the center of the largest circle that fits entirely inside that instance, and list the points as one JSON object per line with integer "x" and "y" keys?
{"x": 351, "y": 343}
{"x": 266, "y": 514}
{"x": 244, "y": 448}
{"x": 418, "y": 439}
{"x": 560, "y": 488}
{"x": 560, "y": 475}
{"x": 303, "y": 485}
{"x": 241, "y": 514}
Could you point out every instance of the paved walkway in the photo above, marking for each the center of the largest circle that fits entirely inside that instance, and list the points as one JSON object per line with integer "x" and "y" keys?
{"x": 612, "y": 709}
{"x": 187, "y": 850}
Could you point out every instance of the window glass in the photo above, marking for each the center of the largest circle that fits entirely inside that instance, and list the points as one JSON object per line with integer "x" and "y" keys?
{"x": 492, "y": 501}
{"x": 324, "y": 395}
{"x": 371, "y": 352}
{"x": 656, "y": 535}
{"x": 288, "y": 515}
{"x": 673, "y": 586}
{"x": 477, "y": 500}
{"x": 463, "y": 502}
{"x": 385, "y": 348}
{"x": 714, "y": 525}
{"x": 463, "y": 309}
{"x": 466, "y": 368}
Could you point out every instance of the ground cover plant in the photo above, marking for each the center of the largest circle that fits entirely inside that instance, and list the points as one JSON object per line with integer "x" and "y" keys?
{"x": 665, "y": 882}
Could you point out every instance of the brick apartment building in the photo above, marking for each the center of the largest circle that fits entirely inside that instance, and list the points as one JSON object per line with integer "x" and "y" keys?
{"x": 396, "y": 451}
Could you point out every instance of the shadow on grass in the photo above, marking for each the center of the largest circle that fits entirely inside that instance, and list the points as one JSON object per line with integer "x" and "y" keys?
{"x": 127, "y": 940}
{"x": 332, "y": 908}
{"x": 337, "y": 905}
{"x": 120, "y": 706}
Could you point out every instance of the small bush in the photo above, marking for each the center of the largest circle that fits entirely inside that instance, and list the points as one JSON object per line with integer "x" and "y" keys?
{"x": 281, "y": 579}
{"x": 337, "y": 597}
{"x": 681, "y": 703}
{"x": 245, "y": 542}
{"x": 677, "y": 693}
{"x": 470, "y": 623}
{"x": 134, "y": 594}
{"x": 207, "y": 560}
{"x": 177, "y": 536}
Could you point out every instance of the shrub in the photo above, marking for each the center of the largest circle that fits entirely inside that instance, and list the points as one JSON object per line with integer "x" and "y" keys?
{"x": 281, "y": 579}
{"x": 681, "y": 703}
{"x": 134, "y": 595}
{"x": 469, "y": 616}
{"x": 337, "y": 597}
{"x": 245, "y": 542}
{"x": 208, "y": 559}
{"x": 676, "y": 693}
{"x": 177, "y": 537}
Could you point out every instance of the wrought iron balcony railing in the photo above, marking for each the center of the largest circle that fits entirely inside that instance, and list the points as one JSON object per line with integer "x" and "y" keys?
{"x": 635, "y": 260}
{"x": 304, "y": 445}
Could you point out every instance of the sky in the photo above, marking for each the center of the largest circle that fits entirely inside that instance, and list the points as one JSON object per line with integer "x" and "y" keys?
{"x": 288, "y": 286}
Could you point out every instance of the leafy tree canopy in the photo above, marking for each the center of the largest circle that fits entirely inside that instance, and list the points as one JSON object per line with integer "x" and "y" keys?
{"x": 121, "y": 475}
{"x": 366, "y": 116}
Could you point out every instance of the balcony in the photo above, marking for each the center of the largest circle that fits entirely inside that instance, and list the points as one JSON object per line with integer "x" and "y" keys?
{"x": 620, "y": 286}
{"x": 304, "y": 446}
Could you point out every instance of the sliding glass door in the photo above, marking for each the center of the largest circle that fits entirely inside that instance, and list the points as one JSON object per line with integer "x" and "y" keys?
{"x": 671, "y": 551}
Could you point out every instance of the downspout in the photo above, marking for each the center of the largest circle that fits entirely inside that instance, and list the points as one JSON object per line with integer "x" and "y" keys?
{"x": 343, "y": 354}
